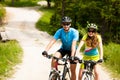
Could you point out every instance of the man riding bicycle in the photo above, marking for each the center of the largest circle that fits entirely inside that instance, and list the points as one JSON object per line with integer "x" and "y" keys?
{"x": 69, "y": 37}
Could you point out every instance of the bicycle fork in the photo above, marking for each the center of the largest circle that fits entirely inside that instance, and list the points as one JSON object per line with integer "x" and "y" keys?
{"x": 65, "y": 71}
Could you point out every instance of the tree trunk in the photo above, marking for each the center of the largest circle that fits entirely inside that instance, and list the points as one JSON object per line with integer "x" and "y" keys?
{"x": 12, "y": 2}
{"x": 63, "y": 7}
{"x": 0, "y": 37}
{"x": 2, "y": 0}
{"x": 48, "y": 3}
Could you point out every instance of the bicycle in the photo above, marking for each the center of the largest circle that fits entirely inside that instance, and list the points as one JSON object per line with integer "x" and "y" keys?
{"x": 55, "y": 74}
{"x": 87, "y": 73}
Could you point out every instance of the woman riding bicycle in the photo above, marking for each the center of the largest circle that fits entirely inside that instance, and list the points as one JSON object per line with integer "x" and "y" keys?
{"x": 69, "y": 37}
{"x": 92, "y": 41}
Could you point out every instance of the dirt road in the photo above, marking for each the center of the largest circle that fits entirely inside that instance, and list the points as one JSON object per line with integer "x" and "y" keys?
{"x": 21, "y": 26}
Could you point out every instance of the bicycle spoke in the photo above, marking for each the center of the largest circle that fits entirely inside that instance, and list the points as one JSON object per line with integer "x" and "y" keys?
{"x": 54, "y": 77}
{"x": 85, "y": 76}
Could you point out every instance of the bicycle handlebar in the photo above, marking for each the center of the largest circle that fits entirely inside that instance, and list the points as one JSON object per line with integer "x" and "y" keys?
{"x": 62, "y": 59}
{"x": 85, "y": 61}
{"x": 76, "y": 59}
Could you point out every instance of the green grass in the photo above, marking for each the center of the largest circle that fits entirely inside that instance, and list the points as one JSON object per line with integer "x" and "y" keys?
{"x": 10, "y": 55}
{"x": 21, "y": 3}
{"x": 44, "y": 22}
{"x": 112, "y": 58}
{"x": 2, "y": 14}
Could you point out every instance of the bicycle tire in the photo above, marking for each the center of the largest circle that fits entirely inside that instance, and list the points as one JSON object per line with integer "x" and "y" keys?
{"x": 66, "y": 74}
{"x": 91, "y": 77}
{"x": 53, "y": 76}
{"x": 85, "y": 76}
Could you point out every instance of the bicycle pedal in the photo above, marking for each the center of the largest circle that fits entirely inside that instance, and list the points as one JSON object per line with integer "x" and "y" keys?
{"x": 53, "y": 70}
{"x": 59, "y": 71}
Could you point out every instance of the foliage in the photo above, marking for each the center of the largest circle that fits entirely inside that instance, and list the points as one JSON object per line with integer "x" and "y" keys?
{"x": 44, "y": 22}
{"x": 106, "y": 14}
{"x": 2, "y": 13}
{"x": 10, "y": 54}
{"x": 20, "y": 3}
{"x": 112, "y": 56}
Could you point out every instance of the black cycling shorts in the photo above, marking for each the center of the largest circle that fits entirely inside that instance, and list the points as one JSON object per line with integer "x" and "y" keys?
{"x": 66, "y": 52}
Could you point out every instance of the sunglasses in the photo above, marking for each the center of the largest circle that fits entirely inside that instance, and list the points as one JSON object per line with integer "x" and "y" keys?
{"x": 66, "y": 24}
{"x": 93, "y": 31}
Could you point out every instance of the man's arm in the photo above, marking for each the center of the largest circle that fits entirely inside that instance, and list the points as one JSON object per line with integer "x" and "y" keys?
{"x": 73, "y": 48}
{"x": 50, "y": 44}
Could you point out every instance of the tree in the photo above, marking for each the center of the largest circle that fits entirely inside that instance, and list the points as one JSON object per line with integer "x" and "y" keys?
{"x": 49, "y": 3}
{"x": 2, "y": 0}
{"x": 106, "y": 14}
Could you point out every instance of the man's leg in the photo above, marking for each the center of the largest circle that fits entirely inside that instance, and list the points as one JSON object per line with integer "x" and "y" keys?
{"x": 73, "y": 71}
{"x": 53, "y": 63}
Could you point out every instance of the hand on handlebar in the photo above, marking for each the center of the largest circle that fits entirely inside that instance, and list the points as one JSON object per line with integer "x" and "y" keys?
{"x": 44, "y": 53}
{"x": 72, "y": 58}
{"x": 75, "y": 59}
{"x": 100, "y": 60}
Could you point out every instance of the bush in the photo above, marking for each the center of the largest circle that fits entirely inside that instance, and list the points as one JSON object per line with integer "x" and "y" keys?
{"x": 2, "y": 13}
{"x": 20, "y": 3}
{"x": 112, "y": 57}
{"x": 44, "y": 22}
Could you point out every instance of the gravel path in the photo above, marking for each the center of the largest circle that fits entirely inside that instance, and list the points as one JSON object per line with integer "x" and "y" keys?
{"x": 21, "y": 26}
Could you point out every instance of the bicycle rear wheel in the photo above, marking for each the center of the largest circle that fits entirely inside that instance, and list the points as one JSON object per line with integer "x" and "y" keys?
{"x": 54, "y": 76}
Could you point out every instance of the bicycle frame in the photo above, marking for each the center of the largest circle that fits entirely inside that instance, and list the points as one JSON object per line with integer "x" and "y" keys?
{"x": 65, "y": 70}
{"x": 88, "y": 69}
{"x": 87, "y": 73}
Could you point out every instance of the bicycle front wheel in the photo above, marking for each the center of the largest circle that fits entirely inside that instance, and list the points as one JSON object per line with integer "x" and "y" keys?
{"x": 85, "y": 76}
{"x": 53, "y": 76}
{"x": 66, "y": 74}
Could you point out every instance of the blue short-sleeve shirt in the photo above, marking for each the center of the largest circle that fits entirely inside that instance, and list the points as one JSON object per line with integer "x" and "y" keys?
{"x": 67, "y": 37}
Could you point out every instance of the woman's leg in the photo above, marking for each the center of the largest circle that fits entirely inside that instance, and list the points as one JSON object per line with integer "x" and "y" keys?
{"x": 96, "y": 71}
{"x": 80, "y": 74}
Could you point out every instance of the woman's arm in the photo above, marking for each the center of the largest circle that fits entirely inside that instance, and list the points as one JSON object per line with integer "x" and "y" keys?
{"x": 101, "y": 50}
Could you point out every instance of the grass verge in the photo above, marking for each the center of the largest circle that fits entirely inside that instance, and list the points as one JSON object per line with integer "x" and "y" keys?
{"x": 112, "y": 58}
{"x": 20, "y": 3}
{"x": 43, "y": 23}
{"x": 10, "y": 55}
